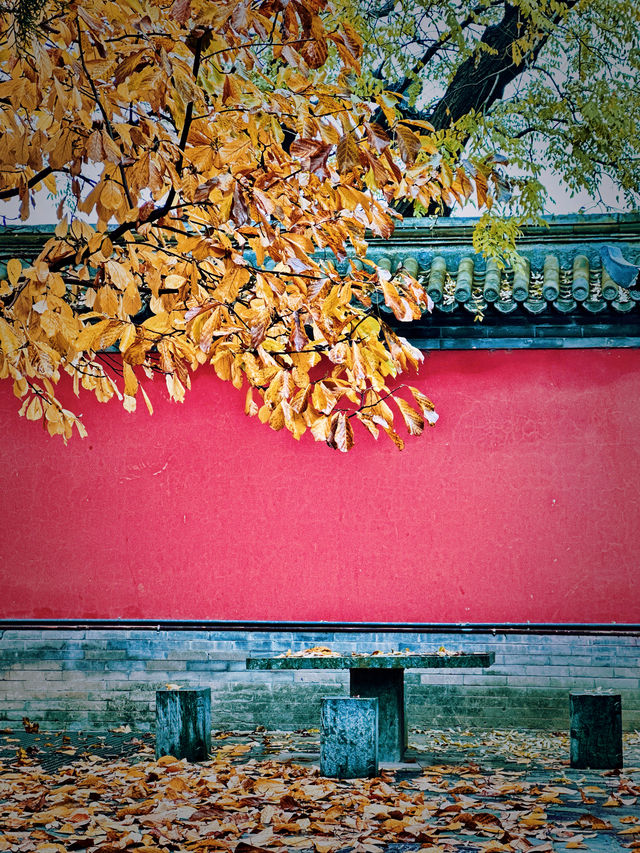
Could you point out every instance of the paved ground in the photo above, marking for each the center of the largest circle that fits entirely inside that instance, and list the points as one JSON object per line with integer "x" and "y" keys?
{"x": 53, "y": 750}
{"x": 477, "y": 785}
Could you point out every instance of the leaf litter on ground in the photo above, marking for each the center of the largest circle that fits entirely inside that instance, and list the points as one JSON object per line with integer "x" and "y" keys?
{"x": 245, "y": 800}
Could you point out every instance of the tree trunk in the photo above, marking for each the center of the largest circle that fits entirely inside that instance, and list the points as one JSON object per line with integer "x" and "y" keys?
{"x": 482, "y": 78}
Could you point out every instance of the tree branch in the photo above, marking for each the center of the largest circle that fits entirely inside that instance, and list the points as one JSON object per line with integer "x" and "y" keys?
{"x": 159, "y": 212}
{"x": 481, "y": 79}
{"x": 107, "y": 122}
{"x": 433, "y": 49}
{"x": 14, "y": 191}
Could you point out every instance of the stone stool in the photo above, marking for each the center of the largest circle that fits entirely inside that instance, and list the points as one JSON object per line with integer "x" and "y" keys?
{"x": 596, "y": 730}
{"x": 183, "y": 723}
{"x": 348, "y": 737}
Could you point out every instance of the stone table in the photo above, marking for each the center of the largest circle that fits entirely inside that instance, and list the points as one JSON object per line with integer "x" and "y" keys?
{"x": 380, "y": 677}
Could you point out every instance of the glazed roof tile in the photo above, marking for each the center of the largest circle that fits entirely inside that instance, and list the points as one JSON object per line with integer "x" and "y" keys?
{"x": 557, "y": 294}
{"x": 478, "y": 285}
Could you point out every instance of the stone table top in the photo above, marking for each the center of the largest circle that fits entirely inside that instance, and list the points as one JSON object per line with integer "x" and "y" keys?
{"x": 403, "y": 661}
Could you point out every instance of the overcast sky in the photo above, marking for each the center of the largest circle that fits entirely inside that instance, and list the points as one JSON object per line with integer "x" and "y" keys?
{"x": 560, "y": 201}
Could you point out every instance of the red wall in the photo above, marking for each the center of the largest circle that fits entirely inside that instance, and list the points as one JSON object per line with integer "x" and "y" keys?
{"x": 521, "y": 504}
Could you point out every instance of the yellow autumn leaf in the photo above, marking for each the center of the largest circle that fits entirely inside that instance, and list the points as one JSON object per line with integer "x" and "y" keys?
{"x": 146, "y": 399}
{"x": 34, "y": 409}
{"x": 111, "y": 196}
{"x": 130, "y": 380}
{"x": 118, "y": 274}
{"x": 90, "y": 335}
{"x": 178, "y": 154}
{"x": 9, "y": 340}
{"x": 14, "y": 269}
{"x": 413, "y": 421}
{"x": 159, "y": 323}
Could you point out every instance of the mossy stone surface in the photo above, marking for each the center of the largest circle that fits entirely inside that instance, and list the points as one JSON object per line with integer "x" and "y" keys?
{"x": 183, "y": 723}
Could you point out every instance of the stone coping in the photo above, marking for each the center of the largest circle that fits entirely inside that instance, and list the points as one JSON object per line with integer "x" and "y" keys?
{"x": 435, "y": 661}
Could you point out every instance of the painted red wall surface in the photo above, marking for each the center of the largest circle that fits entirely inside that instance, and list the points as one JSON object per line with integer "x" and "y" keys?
{"x": 521, "y": 504}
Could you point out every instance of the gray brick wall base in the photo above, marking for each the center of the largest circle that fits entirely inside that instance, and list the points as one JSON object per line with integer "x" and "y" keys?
{"x": 97, "y": 679}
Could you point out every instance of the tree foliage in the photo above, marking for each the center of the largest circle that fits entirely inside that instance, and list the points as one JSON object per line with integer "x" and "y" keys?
{"x": 224, "y": 173}
{"x": 545, "y": 83}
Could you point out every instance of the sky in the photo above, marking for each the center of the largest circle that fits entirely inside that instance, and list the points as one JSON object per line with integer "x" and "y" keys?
{"x": 560, "y": 202}
{"x": 560, "y": 199}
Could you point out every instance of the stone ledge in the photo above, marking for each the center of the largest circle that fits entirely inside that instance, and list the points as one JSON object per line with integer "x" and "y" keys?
{"x": 375, "y": 662}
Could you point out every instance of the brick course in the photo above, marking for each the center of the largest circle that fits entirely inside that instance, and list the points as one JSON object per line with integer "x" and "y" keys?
{"x": 93, "y": 679}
